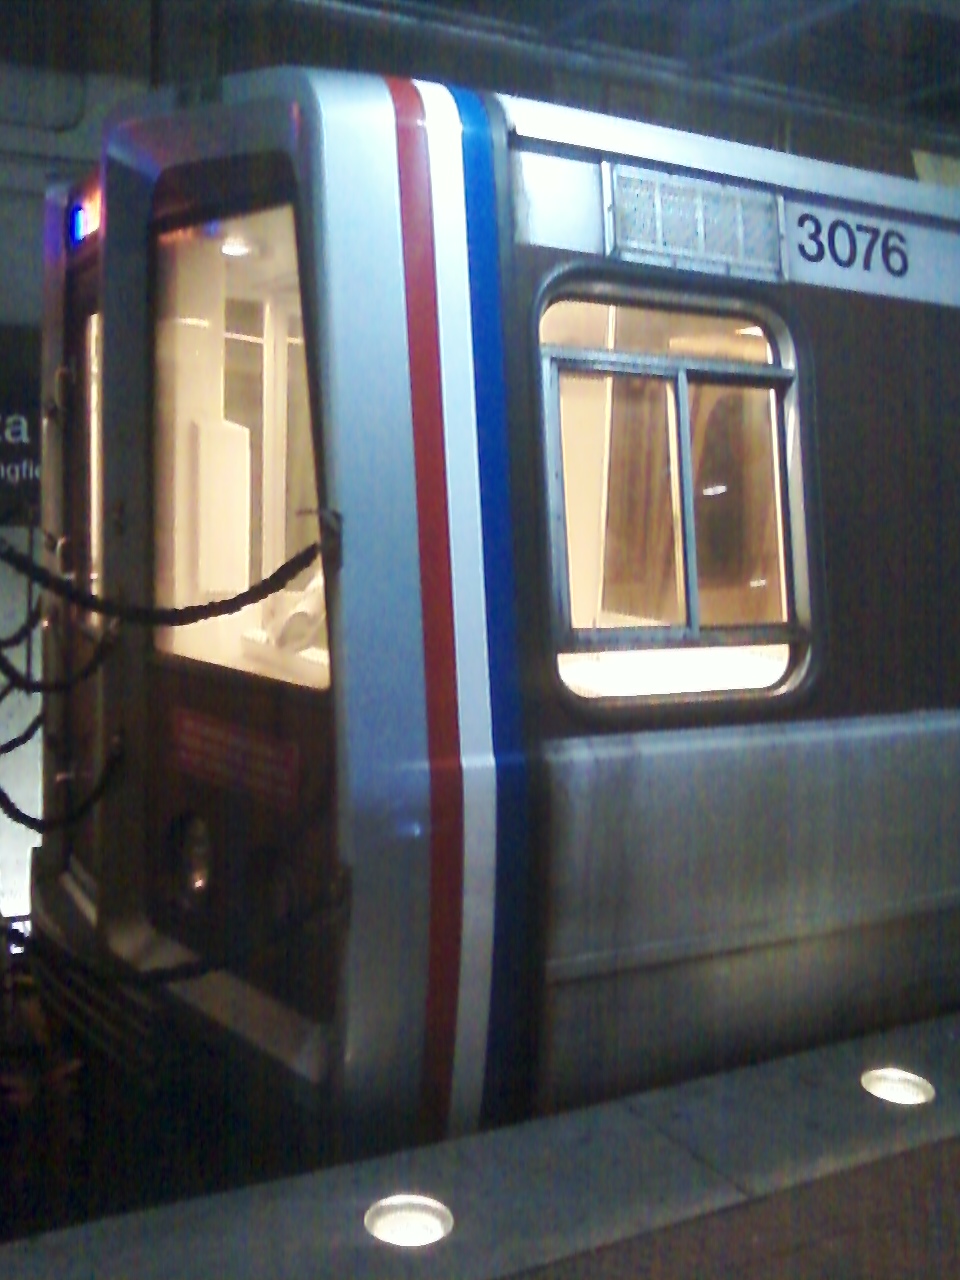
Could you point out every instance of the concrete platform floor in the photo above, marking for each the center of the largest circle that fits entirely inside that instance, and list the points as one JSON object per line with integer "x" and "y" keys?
{"x": 787, "y": 1169}
{"x": 893, "y": 1219}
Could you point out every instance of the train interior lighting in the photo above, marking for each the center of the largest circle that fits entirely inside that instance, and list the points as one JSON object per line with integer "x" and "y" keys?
{"x": 236, "y": 247}
{"x": 894, "y": 1084}
{"x": 662, "y": 673}
{"x": 408, "y": 1221}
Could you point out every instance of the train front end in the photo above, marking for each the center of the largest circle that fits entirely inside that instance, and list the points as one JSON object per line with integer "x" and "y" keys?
{"x": 284, "y": 773}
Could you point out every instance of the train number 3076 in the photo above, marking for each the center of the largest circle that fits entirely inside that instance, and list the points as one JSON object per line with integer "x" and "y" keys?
{"x": 849, "y": 243}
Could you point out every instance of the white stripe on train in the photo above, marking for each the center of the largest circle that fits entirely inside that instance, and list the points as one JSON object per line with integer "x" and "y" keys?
{"x": 469, "y": 602}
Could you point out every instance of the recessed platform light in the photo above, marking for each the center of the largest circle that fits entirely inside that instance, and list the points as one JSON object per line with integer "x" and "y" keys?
{"x": 409, "y": 1221}
{"x": 893, "y": 1084}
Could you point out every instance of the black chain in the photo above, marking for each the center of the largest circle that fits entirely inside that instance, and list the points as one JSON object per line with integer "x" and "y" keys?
{"x": 26, "y": 684}
{"x": 21, "y": 738}
{"x": 43, "y": 825}
{"x": 145, "y": 615}
{"x": 25, "y": 629}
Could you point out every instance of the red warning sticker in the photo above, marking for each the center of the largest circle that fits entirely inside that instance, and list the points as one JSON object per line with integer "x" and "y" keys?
{"x": 236, "y": 759}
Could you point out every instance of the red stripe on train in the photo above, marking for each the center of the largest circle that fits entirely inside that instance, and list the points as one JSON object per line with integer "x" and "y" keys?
{"x": 436, "y": 587}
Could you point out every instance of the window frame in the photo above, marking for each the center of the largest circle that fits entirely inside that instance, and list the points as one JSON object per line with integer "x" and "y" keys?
{"x": 795, "y": 464}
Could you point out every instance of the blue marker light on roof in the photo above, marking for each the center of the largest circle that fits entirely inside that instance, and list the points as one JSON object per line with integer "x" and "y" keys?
{"x": 83, "y": 219}
{"x": 76, "y": 224}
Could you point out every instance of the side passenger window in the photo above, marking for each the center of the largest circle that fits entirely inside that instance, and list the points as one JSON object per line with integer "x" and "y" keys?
{"x": 676, "y": 497}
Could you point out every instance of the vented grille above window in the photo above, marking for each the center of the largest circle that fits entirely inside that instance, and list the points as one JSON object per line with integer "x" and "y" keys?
{"x": 653, "y": 217}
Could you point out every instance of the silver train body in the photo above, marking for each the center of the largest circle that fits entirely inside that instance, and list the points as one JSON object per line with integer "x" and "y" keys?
{"x": 614, "y": 736}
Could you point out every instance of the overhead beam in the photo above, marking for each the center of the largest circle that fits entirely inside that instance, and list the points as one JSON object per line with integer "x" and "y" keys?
{"x": 917, "y": 97}
{"x": 581, "y": 13}
{"x": 778, "y": 33}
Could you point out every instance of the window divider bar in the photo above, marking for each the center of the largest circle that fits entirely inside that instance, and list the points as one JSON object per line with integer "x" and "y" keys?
{"x": 686, "y": 485}
{"x": 550, "y": 374}
{"x": 640, "y": 639}
{"x": 588, "y": 360}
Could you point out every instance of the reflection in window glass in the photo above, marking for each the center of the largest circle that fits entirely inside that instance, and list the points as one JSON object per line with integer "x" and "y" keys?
{"x": 643, "y": 551}
{"x": 736, "y": 506}
{"x": 671, "y": 496}
{"x": 622, "y": 494}
{"x": 235, "y": 478}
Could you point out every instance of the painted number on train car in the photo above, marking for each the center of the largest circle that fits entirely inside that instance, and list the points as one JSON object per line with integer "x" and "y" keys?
{"x": 853, "y": 243}
{"x": 859, "y": 250}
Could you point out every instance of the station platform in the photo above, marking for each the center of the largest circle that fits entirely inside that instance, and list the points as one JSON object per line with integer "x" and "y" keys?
{"x": 787, "y": 1169}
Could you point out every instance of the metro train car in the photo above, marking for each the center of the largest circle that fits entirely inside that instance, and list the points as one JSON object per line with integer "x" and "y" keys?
{"x": 596, "y": 724}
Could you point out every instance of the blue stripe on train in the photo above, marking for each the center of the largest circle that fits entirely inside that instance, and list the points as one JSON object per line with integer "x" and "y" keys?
{"x": 507, "y": 1069}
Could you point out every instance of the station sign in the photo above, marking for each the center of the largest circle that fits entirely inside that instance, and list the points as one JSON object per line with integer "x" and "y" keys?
{"x": 19, "y": 424}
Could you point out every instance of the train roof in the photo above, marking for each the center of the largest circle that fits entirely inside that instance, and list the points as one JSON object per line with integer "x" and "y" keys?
{"x": 580, "y": 133}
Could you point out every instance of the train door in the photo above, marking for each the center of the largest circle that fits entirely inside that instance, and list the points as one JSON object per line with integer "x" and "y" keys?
{"x": 241, "y": 814}
{"x": 78, "y": 548}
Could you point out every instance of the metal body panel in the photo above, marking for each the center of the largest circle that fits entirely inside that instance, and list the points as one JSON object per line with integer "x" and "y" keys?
{"x": 675, "y": 854}
{"x": 376, "y": 639}
{"x": 642, "y": 1028}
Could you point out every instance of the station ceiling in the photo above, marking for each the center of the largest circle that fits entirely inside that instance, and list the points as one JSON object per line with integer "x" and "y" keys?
{"x": 895, "y": 58}
{"x": 899, "y": 57}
